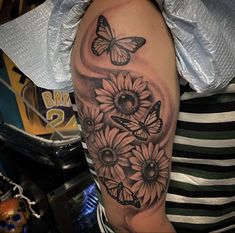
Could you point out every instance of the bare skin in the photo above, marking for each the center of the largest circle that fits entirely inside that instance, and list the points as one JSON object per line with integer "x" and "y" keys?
{"x": 125, "y": 79}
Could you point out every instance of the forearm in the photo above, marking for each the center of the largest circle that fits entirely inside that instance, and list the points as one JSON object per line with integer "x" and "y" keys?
{"x": 127, "y": 97}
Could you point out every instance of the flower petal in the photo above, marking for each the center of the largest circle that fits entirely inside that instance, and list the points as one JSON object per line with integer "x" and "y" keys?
{"x": 147, "y": 194}
{"x": 144, "y": 94}
{"x": 103, "y": 92}
{"x": 98, "y": 126}
{"x": 137, "y": 83}
{"x": 160, "y": 155}
{"x": 110, "y": 86}
{"x": 145, "y": 151}
{"x": 95, "y": 112}
{"x": 105, "y": 99}
{"x": 98, "y": 143}
{"x": 145, "y": 103}
{"x": 123, "y": 162}
{"x": 162, "y": 180}
{"x": 150, "y": 149}
{"x": 98, "y": 165}
{"x": 142, "y": 86}
{"x": 164, "y": 174}
{"x": 138, "y": 155}
{"x": 136, "y": 176}
{"x": 120, "y": 81}
{"x": 163, "y": 164}
{"x": 159, "y": 191}
{"x": 99, "y": 117}
{"x": 156, "y": 149}
{"x": 142, "y": 191}
{"x": 120, "y": 172}
{"x": 92, "y": 137}
{"x": 103, "y": 139}
{"x": 124, "y": 150}
{"x": 119, "y": 138}
{"x": 153, "y": 193}
{"x": 106, "y": 107}
{"x": 111, "y": 136}
{"x": 102, "y": 171}
{"x": 126, "y": 141}
{"x": 113, "y": 173}
{"x": 128, "y": 82}
{"x": 136, "y": 167}
{"x": 136, "y": 186}
{"x": 134, "y": 161}
{"x": 113, "y": 78}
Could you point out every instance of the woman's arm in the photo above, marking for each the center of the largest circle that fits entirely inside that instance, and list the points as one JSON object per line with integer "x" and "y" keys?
{"x": 125, "y": 79}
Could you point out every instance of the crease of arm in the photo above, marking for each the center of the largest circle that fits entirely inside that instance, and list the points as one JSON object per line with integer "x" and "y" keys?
{"x": 125, "y": 79}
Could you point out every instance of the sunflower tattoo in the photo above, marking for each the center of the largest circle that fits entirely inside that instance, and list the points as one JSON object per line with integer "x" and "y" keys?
{"x": 151, "y": 171}
{"x": 91, "y": 121}
{"x": 110, "y": 152}
{"x": 124, "y": 95}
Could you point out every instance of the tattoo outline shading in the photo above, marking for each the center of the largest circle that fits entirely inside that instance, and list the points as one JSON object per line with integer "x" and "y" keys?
{"x": 126, "y": 102}
{"x": 90, "y": 121}
{"x": 110, "y": 151}
{"x": 124, "y": 95}
{"x": 150, "y": 166}
{"x": 118, "y": 49}
{"x": 118, "y": 191}
{"x": 152, "y": 123}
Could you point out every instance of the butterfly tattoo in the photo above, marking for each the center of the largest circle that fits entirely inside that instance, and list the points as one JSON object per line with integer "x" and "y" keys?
{"x": 152, "y": 123}
{"x": 118, "y": 49}
{"x": 119, "y": 192}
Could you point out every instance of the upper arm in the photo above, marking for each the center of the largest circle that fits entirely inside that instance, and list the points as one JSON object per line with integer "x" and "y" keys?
{"x": 125, "y": 78}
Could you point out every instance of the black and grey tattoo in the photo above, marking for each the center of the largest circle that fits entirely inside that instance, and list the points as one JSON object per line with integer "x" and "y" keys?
{"x": 118, "y": 191}
{"x": 91, "y": 121}
{"x": 124, "y": 95}
{"x": 118, "y": 49}
{"x": 151, "y": 172}
{"x": 152, "y": 123}
{"x": 122, "y": 122}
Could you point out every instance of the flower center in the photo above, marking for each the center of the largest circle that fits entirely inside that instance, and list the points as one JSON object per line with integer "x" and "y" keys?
{"x": 127, "y": 102}
{"x": 89, "y": 124}
{"x": 108, "y": 156}
{"x": 150, "y": 170}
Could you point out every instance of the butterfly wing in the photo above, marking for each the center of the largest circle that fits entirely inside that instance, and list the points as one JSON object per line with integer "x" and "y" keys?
{"x": 118, "y": 55}
{"x": 103, "y": 29}
{"x": 131, "y": 44}
{"x": 126, "y": 123}
{"x": 152, "y": 121}
{"x": 111, "y": 186}
{"x": 127, "y": 197}
{"x": 134, "y": 127}
{"x": 104, "y": 36}
{"x": 120, "y": 50}
{"x": 119, "y": 192}
{"x": 99, "y": 45}
{"x": 141, "y": 134}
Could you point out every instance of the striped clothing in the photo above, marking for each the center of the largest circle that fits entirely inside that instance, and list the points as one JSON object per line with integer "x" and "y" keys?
{"x": 201, "y": 194}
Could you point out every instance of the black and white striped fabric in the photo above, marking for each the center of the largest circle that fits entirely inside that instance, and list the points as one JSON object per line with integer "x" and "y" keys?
{"x": 201, "y": 195}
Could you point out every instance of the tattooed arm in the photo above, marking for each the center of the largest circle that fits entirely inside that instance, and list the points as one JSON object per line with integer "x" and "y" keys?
{"x": 125, "y": 79}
